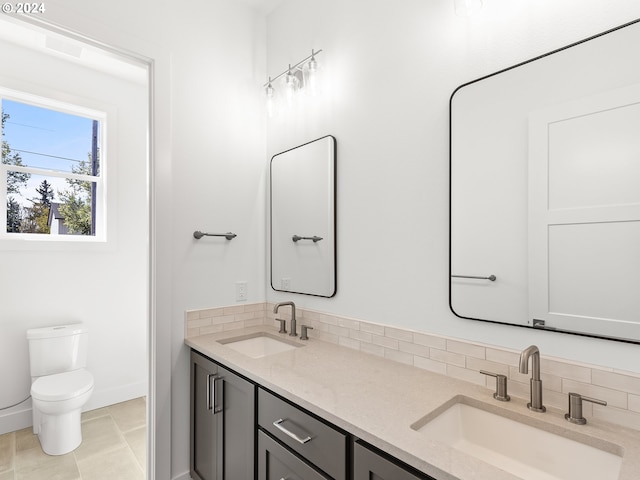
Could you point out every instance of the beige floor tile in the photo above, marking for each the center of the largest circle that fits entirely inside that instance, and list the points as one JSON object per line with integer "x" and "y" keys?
{"x": 117, "y": 464}
{"x": 91, "y": 414}
{"x": 137, "y": 440}
{"x": 129, "y": 415}
{"x": 34, "y": 464}
{"x": 26, "y": 440}
{"x": 7, "y": 475}
{"x": 113, "y": 447}
{"x": 99, "y": 436}
{"x": 7, "y": 451}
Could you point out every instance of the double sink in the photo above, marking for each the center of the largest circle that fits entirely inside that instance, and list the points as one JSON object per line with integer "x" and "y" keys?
{"x": 500, "y": 437}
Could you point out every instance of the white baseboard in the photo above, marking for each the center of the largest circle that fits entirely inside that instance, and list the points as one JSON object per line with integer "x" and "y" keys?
{"x": 122, "y": 393}
{"x": 16, "y": 418}
{"x": 19, "y": 417}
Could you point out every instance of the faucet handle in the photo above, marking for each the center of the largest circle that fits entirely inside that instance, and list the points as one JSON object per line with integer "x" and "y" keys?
{"x": 303, "y": 333}
{"x": 501, "y": 386}
{"x": 575, "y": 408}
{"x": 283, "y": 325}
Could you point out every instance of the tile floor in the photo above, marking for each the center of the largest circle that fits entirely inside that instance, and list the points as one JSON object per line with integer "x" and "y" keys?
{"x": 113, "y": 447}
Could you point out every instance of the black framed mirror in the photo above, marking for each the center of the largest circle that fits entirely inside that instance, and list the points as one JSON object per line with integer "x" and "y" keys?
{"x": 303, "y": 219}
{"x": 544, "y": 198}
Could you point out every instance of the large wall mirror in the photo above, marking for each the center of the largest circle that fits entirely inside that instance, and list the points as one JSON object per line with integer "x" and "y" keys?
{"x": 303, "y": 219}
{"x": 545, "y": 191}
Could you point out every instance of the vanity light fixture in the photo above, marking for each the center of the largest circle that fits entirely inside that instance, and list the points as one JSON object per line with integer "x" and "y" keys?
{"x": 301, "y": 76}
{"x": 466, "y": 8}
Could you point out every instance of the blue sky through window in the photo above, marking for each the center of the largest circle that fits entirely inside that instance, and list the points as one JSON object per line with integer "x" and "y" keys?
{"x": 57, "y": 140}
{"x": 47, "y": 139}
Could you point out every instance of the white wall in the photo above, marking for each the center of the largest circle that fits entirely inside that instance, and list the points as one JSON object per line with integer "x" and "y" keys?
{"x": 103, "y": 285}
{"x": 390, "y": 69}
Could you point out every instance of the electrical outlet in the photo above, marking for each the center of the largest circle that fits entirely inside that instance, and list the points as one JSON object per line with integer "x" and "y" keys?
{"x": 285, "y": 283}
{"x": 241, "y": 291}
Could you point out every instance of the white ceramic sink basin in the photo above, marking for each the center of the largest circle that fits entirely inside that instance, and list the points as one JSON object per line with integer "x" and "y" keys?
{"x": 520, "y": 449}
{"x": 259, "y": 345}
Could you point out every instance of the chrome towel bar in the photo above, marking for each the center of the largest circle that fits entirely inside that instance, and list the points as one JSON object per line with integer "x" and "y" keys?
{"x": 198, "y": 235}
{"x": 315, "y": 238}
{"x": 490, "y": 277}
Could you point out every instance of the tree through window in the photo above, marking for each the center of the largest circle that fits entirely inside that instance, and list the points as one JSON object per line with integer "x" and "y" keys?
{"x": 50, "y": 170}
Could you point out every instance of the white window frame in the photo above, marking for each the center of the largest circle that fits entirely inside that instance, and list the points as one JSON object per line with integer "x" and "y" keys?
{"x": 100, "y": 235}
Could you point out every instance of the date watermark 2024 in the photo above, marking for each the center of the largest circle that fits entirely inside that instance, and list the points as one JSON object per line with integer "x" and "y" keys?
{"x": 20, "y": 7}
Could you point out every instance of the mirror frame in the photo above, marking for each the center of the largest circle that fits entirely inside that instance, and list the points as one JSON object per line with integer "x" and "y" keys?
{"x": 334, "y": 212}
{"x": 526, "y": 62}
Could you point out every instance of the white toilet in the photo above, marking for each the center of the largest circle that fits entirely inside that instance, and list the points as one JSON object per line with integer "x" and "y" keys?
{"x": 60, "y": 385}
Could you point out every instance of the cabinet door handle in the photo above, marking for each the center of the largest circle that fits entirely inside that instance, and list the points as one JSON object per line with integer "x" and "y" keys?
{"x": 218, "y": 394}
{"x": 212, "y": 399}
{"x": 208, "y": 390}
{"x": 289, "y": 433}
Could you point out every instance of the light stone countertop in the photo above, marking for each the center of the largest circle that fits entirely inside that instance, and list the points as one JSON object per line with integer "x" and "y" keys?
{"x": 378, "y": 400}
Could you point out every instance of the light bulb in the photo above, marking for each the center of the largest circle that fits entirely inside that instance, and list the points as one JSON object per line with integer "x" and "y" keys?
{"x": 271, "y": 99}
{"x": 292, "y": 86}
{"x": 311, "y": 84}
{"x": 466, "y": 8}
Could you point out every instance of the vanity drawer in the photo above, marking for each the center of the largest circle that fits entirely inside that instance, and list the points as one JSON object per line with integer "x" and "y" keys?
{"x": 276, "y": 462}
{"x": 319, "y": 443}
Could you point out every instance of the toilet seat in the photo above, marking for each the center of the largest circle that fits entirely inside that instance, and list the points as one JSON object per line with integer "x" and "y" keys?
{"x": 62, "y": 386}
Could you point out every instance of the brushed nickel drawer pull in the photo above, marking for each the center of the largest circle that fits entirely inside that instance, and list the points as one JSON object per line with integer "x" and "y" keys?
{"x": 278, "y": 425}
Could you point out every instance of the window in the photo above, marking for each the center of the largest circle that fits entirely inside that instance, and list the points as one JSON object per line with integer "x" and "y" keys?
{"x": 52, "y": 170}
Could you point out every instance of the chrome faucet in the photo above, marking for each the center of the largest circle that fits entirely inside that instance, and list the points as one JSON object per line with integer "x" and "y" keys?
{"x": 536, "y": 384}
{"x": 293, "y": 332}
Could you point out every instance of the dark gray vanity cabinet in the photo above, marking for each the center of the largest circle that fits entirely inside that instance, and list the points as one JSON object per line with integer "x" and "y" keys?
{"x": 368, "y": 465}
{"x": 223, "y": 423}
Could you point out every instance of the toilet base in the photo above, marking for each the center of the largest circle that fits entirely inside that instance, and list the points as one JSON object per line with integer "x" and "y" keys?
{"x": 60, "y": 434}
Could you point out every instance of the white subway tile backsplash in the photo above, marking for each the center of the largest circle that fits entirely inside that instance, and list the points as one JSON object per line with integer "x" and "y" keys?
{"x": 455, "y": 358}
{"x": 466, "y": 375}
{"x": 431, "y": 365}
{"x": 372, "y": 328}
{"x": 415, "y": 349}
{"x": 398, "y": 356}
{"x": 616, "y": 381}
{"x": 626, "y": 418}
{"x": 467, "y": 349}
{"x": 385, "y": 342}
{"x": 448, "y": 357}
{"x": 398, "y": 334}
{"x": 565, "y": 370}
{"x": 502, "y": 356}
{"x": 478, "y": 364}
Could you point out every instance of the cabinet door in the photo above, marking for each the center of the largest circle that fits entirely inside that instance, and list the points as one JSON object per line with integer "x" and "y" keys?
{"x": 223, "y": 423}
{"x": 368, "y": 465}
{"x": 276, "y": 463}
{"x": 239, "y": 426}
{"x": 206, "y": 421}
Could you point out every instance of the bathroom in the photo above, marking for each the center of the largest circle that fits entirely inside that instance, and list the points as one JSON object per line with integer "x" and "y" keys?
{"x": 389, "y": 70}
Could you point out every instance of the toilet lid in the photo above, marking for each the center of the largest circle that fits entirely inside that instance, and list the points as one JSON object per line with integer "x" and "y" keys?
{"x": 62, "y": 386}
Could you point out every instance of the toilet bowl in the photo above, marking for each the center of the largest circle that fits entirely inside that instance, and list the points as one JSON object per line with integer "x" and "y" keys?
{"x": 59, "y": 399}
{"x": 60, "y": 385}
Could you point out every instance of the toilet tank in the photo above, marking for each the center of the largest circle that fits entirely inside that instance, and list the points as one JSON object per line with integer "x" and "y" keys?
{"x": 57, "y": 349}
